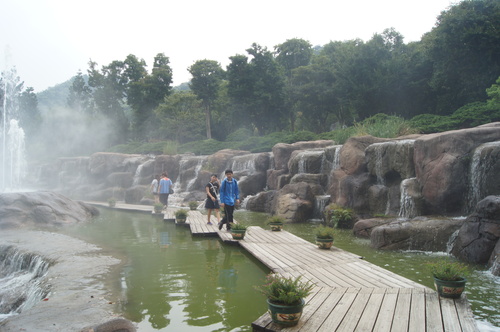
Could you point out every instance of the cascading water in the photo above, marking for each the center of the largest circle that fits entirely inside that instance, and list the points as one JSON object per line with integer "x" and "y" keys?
{"x": 21, "y": 280}
{"x": 319, "y": 206}
{"x": 407, "y": 207}
{"x": 13, "y": 166}
{"x": 481, "y": 163}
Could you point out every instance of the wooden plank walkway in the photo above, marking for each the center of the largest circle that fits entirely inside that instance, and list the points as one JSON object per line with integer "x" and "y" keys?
{"x": 350, "y": 293}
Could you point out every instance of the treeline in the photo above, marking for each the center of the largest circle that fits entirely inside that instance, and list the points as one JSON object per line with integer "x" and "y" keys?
{"x": 437, "y": 83}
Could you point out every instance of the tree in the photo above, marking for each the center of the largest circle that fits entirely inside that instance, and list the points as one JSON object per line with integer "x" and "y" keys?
{"x": 207, "y": 77}
{"x": 109, "y": 85}
{"x": 146, "y": 93}
{"x": 80, "y": 95}
{"x": 292, "y": 54}
{"x": 464, "y": 49}
{"x": 181, "y": 117}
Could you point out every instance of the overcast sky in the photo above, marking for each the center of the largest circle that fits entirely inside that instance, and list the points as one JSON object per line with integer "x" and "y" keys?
{"x": 48, "y": 41}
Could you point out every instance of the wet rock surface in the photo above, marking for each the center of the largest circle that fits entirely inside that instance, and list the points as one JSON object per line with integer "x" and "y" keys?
{"x": 78, "y": 296}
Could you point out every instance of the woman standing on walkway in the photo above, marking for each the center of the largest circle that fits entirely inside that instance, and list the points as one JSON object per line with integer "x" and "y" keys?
{"x": 154, "y": 188}
{"x": 164, "y": 189}
{"x": 212, "y": 202}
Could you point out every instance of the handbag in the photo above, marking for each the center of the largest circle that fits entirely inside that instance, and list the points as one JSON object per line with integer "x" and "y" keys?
{"x": 171, "y": 190}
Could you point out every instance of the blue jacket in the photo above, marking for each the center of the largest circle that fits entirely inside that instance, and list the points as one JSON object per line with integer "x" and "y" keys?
{"x": 229, "y": 192}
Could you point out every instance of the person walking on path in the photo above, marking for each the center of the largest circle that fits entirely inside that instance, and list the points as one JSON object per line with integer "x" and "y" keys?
{"x": 212, "y": 202}
{"x": 154, "y": 188}
{"x": 164, "y": 189}
{"x": 229, "y": 197}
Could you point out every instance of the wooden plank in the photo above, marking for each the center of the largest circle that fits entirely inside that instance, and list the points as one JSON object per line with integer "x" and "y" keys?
{"x": 338, "y": 313}
{"x": 369, "y": 316}
{"x": 465, "y": 314}
{"x": 315, "y": 323}
{"x": 434, "y": 322}
{"x": 417, "y": 310}
{"x": 402, "y": 311}
{"x": 386, "y": 312}
{"x": 450, "y": 316}
{"x": 355, "y": 312}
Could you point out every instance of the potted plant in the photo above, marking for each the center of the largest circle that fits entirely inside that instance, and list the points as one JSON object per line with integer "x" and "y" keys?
{"x": 238, "y": 231}
{"x": 181, "y": 216}
{"x": 112, "y": 202}
{"x": 449, "y": 277}
{"x": 158, "y": 207}
{"x": 285, "y": 298}
{"x": 193, "y": 205}
{"x": 324, "y": 236}
{"x": 276, "y": 223}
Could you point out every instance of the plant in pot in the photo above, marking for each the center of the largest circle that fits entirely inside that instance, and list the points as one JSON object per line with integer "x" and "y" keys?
{"x": 324, "y": 236}
{"x": 449, "y": 277}
{"x": 193, "y": 205}
{"x": 276, "y": 223}
{"x": 181, "y": 216}
{"x": 285, "y": 298}
{"x": 238, "y": 231}
{"x": 158, "y": 207}
{"x": 112, "y": 202}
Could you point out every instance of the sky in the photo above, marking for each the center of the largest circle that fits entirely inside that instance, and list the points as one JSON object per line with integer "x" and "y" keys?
{"x": 49, "y": 41}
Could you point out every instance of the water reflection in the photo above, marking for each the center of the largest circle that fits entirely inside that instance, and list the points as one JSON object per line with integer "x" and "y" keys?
{"x": 171, "y": 281}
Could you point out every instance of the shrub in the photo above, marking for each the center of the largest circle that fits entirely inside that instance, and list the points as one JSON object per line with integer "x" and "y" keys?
{"x": 324, "y": 232}
{"x": 446, "y": 269}
{"x": 181, "y": 214}
{"x": 287, "y": 291}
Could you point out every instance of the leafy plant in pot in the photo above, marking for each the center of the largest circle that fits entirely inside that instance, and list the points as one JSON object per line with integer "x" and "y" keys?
{"x": 181, "y": 216}
{"x": 449, "y": 277}
{"x": 193, "y": 205}
{"x": 275, "y": 222}
{"x": 112, "y": 202}
{"x": 158, "y": 207}
{"x": 324, "y": 236}
{"x": 238, "y": 231}
{"x": 285, "y": 298}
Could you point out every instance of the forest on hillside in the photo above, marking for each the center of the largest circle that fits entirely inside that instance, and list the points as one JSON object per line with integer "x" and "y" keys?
{"x": 448, "y": 80}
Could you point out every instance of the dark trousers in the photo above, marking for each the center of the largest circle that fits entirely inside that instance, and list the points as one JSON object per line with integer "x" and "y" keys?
{"x": 228, "y": 216}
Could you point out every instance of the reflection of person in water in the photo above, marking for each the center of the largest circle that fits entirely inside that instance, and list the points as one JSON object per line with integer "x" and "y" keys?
{"x": 228, "y": 275}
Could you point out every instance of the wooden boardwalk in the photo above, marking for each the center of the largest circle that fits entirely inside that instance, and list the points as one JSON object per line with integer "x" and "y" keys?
{"x": 350, "y": 293}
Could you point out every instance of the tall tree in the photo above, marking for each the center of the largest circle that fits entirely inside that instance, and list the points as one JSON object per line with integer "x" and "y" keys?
{"x": 464, "y": 48}
{"x": 292, "y": 54}
{"x": 207, "y": 77}
{"x": 80, "y": 95}
{"x": 146, "y": 92}
{"x": 109, "y": 85}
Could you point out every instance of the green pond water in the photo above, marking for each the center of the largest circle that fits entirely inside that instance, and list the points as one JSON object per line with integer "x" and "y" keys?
{"x": 172, "y": 281}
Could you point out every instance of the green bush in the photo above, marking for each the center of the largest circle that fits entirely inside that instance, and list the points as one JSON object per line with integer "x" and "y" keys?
{"x": 286, "y": 291}
{"x": 446, "y": 269}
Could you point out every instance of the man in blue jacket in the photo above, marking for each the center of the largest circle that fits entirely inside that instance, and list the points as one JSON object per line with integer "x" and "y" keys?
{"x": 229, "y": 196}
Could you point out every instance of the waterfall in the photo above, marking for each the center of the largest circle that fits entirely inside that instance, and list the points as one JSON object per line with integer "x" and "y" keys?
{"x": 137, "y": 175}
{"x": 407, "y": 207}
{"x": 320, "y": 203}
{"x": 13, "y": 166}
{"x": 197, "y": 169}
{"x": 336, "y": 157}
{"x": 21, "y": 280}
{"x": 243, "y": 163}
{"x": 480, "y": 165}
{"x": 303, "y": 166}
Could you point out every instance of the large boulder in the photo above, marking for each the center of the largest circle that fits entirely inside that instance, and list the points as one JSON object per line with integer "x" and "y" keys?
{"x": 442, "y": 165}
{"x": 41, "y": 208}
{"x": 262, "y": 202}
{"x": 295, "y": 202}
{"x": 282, "y": 151}
{"x": 477, "y": 240}
{"x": 417, "y": 234}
